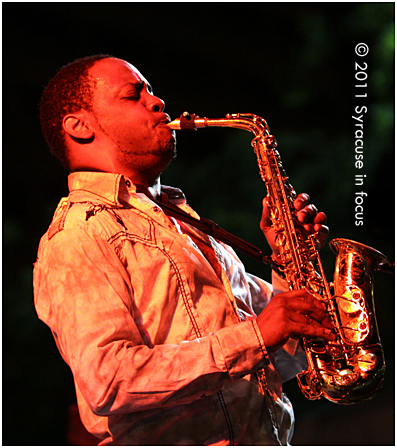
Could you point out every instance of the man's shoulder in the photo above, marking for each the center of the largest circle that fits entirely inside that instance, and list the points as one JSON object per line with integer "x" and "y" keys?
{"x": 86, "y": 215}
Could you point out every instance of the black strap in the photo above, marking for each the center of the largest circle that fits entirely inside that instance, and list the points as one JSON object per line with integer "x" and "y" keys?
{"x": 211, "y": 228}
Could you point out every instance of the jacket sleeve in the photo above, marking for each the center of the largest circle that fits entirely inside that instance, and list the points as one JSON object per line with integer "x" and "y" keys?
{"x": 291, "y": 358}
{"x": 83, "y": 293}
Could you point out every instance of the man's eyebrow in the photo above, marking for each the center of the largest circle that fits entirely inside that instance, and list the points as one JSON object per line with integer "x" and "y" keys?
{"x": 139, "y": 85}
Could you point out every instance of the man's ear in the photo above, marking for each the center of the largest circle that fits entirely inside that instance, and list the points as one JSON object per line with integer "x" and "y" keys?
{"x": 78, "y": 127}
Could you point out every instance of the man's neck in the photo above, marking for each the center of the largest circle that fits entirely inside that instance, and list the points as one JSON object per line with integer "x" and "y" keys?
{"x": 153, "y": 191}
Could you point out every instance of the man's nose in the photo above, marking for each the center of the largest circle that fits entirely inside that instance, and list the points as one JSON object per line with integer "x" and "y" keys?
{"x": 155, "y": 104}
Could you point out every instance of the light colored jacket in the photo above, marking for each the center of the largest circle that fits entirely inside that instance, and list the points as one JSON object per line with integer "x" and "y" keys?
{"x": 163, "y": 344}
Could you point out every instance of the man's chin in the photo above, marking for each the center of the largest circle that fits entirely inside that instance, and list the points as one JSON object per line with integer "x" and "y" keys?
{"x": 169, "y": 148}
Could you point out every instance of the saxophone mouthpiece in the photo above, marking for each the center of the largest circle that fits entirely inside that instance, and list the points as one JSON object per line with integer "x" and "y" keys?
{"x": 188, "y": 122}
{"x": 175, "y": 124}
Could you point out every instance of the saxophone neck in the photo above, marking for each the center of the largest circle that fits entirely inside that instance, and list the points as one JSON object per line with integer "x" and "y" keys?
{"x": 249, "y": 122}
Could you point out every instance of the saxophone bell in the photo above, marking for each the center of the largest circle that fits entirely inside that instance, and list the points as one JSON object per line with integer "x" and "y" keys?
{"x": 351, "y": 370}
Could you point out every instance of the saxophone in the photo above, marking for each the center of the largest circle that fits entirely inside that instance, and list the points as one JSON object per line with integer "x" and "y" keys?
{"x": 351, "y": 368}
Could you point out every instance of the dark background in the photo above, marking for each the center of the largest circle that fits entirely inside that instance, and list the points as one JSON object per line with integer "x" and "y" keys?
{"x": 291, "y": 63}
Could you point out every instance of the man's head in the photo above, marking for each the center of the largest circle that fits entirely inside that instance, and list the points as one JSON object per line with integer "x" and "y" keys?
{"x": 70, "y": 90}
{"x": 108, "y": 119}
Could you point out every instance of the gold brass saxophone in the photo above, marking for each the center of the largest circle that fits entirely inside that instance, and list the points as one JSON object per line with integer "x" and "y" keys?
{"x": 351, "y": 368}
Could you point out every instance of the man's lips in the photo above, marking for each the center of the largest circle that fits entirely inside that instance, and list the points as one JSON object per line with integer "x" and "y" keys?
{"x": 166, "y": 119}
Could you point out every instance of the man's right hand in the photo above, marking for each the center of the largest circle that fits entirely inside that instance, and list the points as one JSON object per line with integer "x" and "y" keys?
{"x": 292, "y": 314}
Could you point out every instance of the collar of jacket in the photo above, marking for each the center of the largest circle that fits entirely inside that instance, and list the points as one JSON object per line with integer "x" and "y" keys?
{"x": 115, "y": 189}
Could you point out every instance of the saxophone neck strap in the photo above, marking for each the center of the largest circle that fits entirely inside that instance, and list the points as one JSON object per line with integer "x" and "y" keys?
{"x": 211, "y": 228}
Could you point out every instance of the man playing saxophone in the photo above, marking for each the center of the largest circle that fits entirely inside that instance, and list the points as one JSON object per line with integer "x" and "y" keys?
{"x": 169, "y": 340}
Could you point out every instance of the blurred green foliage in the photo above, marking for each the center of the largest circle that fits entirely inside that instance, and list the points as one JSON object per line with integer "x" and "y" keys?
{"x": 292, "y": 63}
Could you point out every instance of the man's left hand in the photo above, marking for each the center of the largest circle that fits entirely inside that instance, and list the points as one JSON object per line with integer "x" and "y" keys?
{"x": 307, "y": 214}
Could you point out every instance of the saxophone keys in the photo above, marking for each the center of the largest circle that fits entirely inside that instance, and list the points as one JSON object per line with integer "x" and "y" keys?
{"x": 357, "y": 329}
{"x": 345, "y": 377}
{"x": 367, "y": 361}
{"x": 351, "y": 299}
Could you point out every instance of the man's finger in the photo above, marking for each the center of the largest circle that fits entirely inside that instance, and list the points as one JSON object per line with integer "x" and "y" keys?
{"x": 300, "y": 301}
{"x": 311, "y": 330}
{"x": 301, "y": 201}
{"x": 320, "y": 218}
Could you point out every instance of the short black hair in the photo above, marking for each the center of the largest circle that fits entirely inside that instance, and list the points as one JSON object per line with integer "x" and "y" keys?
{"x": 70, "y": 90}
